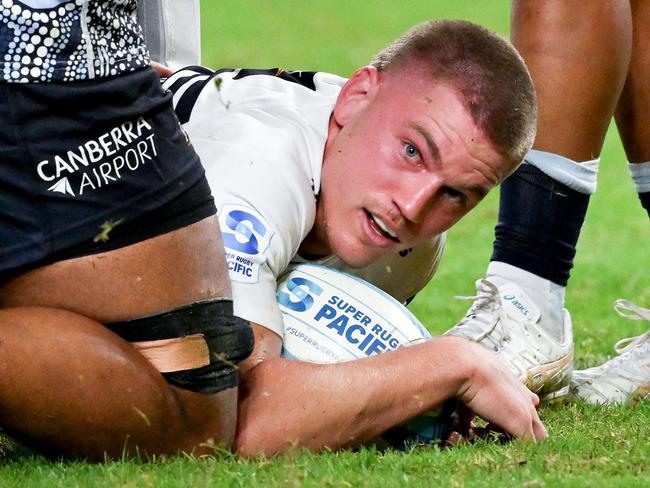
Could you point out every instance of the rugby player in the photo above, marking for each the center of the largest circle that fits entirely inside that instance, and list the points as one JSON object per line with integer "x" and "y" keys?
{"x": 114, "y": 295}
{"x": 589, "y": 64}
{"x": 310, "y": 166}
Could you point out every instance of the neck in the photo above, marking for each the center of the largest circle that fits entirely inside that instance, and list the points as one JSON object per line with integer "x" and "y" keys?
{"x": 316, "y": 245}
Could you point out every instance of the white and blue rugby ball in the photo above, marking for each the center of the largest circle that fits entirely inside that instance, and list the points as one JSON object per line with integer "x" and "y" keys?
{"x": 331, "y": 316}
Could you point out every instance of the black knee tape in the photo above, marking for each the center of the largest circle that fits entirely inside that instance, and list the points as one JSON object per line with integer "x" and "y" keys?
{"x": 229, "y": 340}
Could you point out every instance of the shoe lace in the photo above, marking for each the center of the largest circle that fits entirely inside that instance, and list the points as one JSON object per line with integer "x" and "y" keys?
{"x": 628, "y": 345}
{"x": 486, "y": 310}
{"x": 631, "y": 311}
{"x": 629, "y": 369}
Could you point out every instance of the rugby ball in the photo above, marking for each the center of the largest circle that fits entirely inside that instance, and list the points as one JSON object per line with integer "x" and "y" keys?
{"x": 331, "y": 316}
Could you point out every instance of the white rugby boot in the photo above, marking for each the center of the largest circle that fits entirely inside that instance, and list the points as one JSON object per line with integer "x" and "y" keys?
{"x": 626, "y": 377}
{"x": 505, "y": 320}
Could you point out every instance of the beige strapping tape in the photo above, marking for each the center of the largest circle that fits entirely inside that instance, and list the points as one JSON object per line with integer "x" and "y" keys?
{"x": 176, "y": 354}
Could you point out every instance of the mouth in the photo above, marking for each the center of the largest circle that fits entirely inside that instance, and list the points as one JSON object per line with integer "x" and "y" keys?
{"x": 380, "y": 227}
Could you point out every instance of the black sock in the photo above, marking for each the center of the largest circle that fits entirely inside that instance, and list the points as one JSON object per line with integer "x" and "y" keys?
{"x": 645, "y": 201}
{"x": 539, "y": 224}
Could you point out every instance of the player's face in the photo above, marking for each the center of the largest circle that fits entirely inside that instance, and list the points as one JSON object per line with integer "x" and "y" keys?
{"x": 404, "y": 161}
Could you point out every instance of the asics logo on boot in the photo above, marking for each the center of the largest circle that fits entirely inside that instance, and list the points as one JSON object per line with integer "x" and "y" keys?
{"x": 517, "y": 304}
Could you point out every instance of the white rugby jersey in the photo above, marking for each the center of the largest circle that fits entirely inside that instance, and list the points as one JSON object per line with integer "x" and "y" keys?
{"x": 67, "y": 40}
{"x": 261, "y": 136}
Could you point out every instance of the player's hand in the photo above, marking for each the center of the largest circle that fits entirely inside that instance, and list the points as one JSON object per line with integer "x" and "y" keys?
{"x": 492, "y": 392}
{"x": 466, "y": 431}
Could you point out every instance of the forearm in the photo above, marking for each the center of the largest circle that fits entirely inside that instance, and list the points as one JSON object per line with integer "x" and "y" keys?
{"x": 285, "y": 403}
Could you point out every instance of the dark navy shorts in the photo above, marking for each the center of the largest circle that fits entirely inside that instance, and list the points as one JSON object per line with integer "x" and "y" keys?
{"x": 92, "y": 166}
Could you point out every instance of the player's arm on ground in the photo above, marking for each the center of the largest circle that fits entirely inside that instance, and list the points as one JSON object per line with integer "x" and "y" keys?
{"x": 286, "y": 403}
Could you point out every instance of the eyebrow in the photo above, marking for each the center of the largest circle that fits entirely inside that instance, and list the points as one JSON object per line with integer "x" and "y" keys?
{"x": 433, "y": 149}
{"x": 481, "y": 190}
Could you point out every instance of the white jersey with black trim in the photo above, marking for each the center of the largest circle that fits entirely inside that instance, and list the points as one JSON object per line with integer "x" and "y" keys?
{"x": 261, "y": 136}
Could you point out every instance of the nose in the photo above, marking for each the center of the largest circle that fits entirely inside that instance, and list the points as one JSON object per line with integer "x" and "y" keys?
{"x": 417, "y": 196}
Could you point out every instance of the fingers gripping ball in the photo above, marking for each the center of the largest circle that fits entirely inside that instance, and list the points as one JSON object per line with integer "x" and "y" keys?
{"x": 331, "y": 316}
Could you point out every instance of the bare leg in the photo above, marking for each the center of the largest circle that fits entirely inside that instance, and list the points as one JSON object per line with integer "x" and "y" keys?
{"x": 632, "y": 116}
{"x": 633, "y": 111}
{"x": 578, "y": 54}
{"x": 70, "y": 386}
{"x": 173, "y": 269}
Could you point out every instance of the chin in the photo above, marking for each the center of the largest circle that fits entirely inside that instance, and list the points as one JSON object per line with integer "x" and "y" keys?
{"x": 355, "y": 258}
{"x": 354, "y": 264}
{"x": 352, "y": 251}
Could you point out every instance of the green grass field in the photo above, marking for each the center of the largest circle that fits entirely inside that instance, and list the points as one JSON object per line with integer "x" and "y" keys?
{"x": 587, "y": 445}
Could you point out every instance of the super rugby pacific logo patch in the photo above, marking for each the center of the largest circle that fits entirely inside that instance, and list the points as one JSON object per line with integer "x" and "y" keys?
{"x": 246, "y": 236}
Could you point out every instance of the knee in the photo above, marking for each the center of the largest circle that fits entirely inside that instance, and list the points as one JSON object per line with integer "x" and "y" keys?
{"x": 207, "y": 423}
{"x": 196, "y": 347}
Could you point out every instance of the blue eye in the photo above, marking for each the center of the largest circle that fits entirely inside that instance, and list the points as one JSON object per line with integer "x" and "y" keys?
{"x": 411, "y": 151}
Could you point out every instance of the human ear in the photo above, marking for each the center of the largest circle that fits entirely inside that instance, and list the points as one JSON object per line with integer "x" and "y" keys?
{"x": 356, "y": 94}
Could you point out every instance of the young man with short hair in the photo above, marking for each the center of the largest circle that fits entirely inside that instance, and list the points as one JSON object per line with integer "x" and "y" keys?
{"x": 310, "y": 166}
